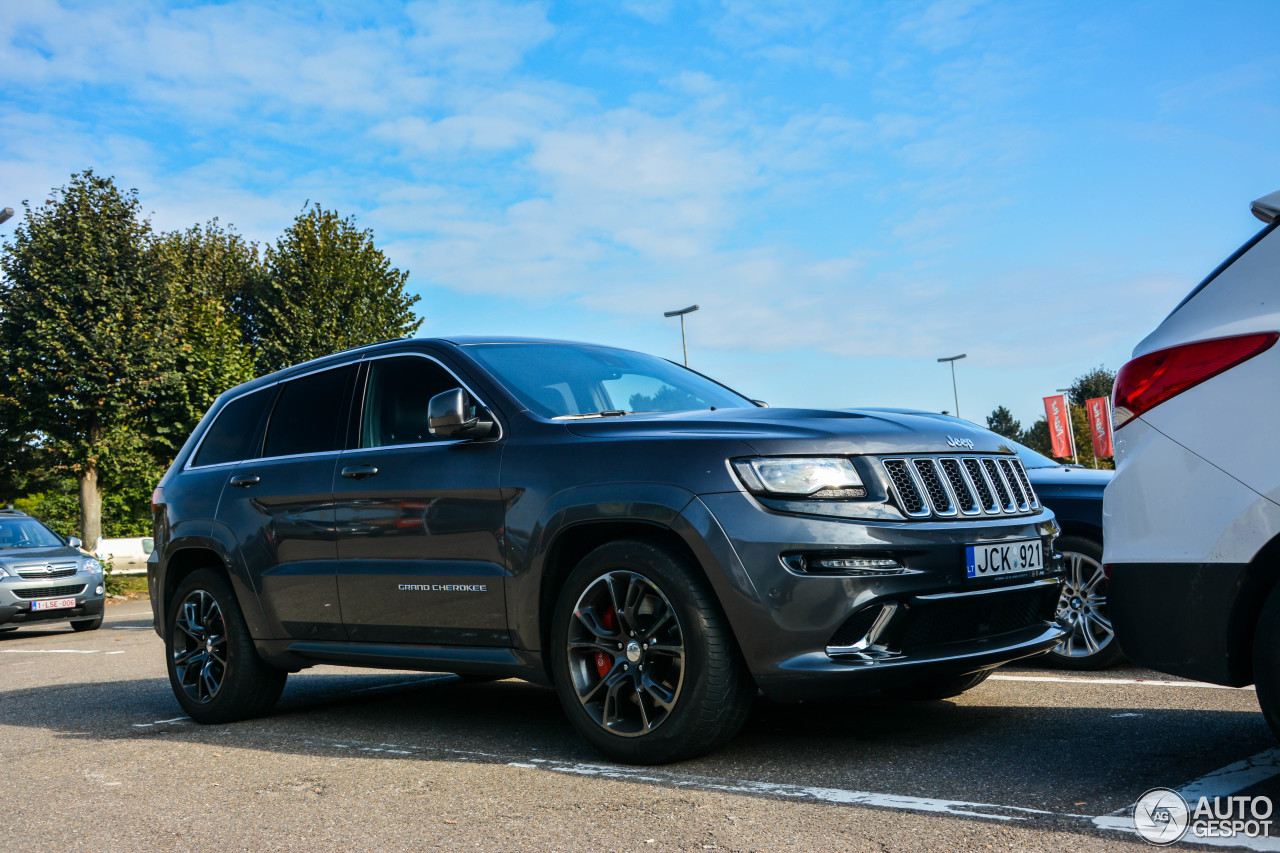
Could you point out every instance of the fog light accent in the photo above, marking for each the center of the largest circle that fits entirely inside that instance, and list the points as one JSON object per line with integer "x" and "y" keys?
{"x": 99, "y": 590}
{"x": 842, "y": 564}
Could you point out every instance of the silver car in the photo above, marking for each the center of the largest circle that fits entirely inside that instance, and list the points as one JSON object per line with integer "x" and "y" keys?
{"x": 45, "y": 578}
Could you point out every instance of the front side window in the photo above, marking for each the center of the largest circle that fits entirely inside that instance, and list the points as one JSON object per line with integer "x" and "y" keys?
{"x": 26, "y": 533}
{"x": 230, "y": 437}
{"x": 569, "y": 380}
{"x": 396, "y": 400}
{"x": 307, "y": 415}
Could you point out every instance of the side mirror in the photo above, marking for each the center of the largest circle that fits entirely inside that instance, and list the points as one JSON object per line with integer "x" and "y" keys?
{"x": 148, "y": 545}
{"x": 74, "y": 541}
{"x": 452, "y": 414}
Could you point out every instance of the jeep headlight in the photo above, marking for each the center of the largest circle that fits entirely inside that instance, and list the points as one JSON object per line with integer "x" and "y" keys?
{"x": 813, "y": 478}
{"x": 92, "y": 565}
{"x": 3, "y": 573}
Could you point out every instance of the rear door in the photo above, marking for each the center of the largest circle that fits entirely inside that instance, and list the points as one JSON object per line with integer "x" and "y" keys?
{"x": 419, "y": 520}
{"x": 279, "y": 506}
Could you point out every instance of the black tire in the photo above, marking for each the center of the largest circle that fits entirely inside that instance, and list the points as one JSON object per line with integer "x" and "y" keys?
{"x": 939, "y": 688}
{"x": 1266, "y": 660}
{"x": 213, "y": 688}
{"x": 691, "y": 654}
{"x": 1084, "y": 604}
{"x": 87, "y": 624}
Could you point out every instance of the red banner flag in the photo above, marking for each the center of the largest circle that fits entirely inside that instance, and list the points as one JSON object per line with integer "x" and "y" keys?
{"x": 1099, "y": 409}
{"x": 1060, "y": 433}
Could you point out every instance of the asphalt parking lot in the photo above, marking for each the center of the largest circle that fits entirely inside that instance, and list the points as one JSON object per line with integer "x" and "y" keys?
{"x": 97, "y": 755}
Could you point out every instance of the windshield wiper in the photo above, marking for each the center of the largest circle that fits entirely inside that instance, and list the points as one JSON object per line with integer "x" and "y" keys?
{"x": 612, "y": 413}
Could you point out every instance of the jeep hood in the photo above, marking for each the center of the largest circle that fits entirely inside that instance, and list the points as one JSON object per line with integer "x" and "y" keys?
{"x": 799, "y": 431}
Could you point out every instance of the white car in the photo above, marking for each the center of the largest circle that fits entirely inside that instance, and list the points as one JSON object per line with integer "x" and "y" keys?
{"x": 1192, "y": 518}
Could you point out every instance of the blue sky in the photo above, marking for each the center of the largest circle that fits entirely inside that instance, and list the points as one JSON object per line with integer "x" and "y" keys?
{"x": 849, "y": 190}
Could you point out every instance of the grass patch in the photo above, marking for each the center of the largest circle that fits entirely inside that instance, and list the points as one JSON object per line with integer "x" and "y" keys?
{"x": 130, "y": 586}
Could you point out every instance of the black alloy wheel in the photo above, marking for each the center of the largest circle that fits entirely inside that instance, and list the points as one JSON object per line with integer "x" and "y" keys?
{"x": 214, "y": 670}
{"x": 642, "y": 656}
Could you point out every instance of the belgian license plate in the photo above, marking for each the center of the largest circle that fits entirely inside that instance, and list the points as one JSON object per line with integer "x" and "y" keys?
{"x": 1003, "y": 558}
{"x": 53, "y": 604}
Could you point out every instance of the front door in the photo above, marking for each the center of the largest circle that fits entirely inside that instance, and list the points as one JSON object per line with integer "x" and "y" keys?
{"x": 418, "y": 520}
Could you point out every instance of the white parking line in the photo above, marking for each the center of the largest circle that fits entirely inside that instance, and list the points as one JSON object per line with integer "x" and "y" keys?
{"x": 48, "y": 651}
{"x": 1139, "y": 681}
{"x": 1220, "y": 783}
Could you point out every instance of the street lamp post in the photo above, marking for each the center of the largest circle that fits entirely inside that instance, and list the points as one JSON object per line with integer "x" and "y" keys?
{"x": 5, "y": 214}
{"x": 953, "y": 359}
{"x": 684, "y": 346}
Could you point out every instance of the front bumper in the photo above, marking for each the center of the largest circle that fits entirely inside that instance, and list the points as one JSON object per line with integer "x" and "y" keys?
{"x": 18, "y": 594}
{"x": 806, "y": 636}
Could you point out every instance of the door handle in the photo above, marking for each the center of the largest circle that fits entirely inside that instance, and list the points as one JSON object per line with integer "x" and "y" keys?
{"x": 359, "y": 472}
{"x": 245, "y": 480}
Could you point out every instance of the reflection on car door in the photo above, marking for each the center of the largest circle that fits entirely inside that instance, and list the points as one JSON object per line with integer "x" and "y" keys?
{"x": 280, "y": 506}
{"x": 419, "y": 521}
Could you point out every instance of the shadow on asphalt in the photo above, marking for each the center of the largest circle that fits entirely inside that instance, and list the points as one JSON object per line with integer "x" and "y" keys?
{"x": 1043, "y": 755}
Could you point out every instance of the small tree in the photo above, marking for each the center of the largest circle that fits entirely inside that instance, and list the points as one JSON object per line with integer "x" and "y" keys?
{"x": 1096, "y": 383}
{"x": 87, "y": 318}
{"x": 1001, "y": 421}
{"x": 327, "y": 288}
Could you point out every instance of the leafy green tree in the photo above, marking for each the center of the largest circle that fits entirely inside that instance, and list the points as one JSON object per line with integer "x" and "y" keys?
{"x": 91, "y": 325}
{"x": 1037, "y": 438}
{"x": 327, "y": 288}
{"x": 1096, "y": 383}
{"x": 213, "y": 269}
{"x": 1001, "y": 421}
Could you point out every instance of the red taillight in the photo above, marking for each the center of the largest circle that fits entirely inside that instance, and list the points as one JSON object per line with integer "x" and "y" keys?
{"x": 1150, "y": 379}
{"x": 1106, "y": 571}
{"x": 157, "y": 498}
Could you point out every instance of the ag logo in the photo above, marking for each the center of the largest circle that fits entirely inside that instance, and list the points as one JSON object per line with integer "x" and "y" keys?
{"x": 952, "y": 441}
{"x": 1161, "y": 816}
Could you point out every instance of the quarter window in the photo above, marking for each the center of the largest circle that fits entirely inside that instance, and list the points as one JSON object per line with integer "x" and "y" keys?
{"x": 396, "y": 400}
{"x": 230, "y": 438}
{"x": 307, "y": 415}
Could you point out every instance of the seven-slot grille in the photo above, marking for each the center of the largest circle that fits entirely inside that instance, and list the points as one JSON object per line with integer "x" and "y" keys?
{"x": 969, "y": 486}
{"x": 48, "y": 571}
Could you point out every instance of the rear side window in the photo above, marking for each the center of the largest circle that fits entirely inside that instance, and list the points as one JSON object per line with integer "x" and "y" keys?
{"x": 308, "y": 413}
{"x": 230, "y": 437}
{"x": 396, "y": 400}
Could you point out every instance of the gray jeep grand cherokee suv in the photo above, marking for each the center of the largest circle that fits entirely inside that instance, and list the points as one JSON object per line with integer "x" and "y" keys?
{"x": 653, "y": 544}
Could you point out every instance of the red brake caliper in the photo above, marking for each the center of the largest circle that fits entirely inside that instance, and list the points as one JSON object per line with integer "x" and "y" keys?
{"x": 604, "y": 662}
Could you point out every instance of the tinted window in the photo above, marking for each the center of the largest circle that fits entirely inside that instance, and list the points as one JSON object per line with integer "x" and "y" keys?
{"x": 308, "y": 414}
{"x": 231, "y": 435}
{"x": 396, "y": 400}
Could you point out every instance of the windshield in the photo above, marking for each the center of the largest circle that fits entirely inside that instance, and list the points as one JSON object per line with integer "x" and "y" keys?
{"x": 27, "y": 533}
{"x": 572, "y": 381}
